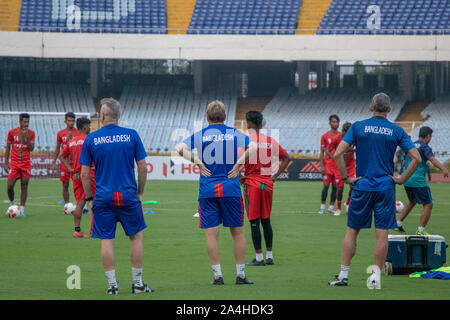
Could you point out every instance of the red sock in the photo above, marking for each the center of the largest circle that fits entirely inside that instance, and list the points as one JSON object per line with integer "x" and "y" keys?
{"x": 348, "y": 201}
{"x": 339, "y": 205}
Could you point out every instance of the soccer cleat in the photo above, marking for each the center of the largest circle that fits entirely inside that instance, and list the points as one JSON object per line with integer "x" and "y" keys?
{"x": 240, "y": 280}
{"x": 113, "y": 290}
{"x": 400, "y": 229}
{"x": 337, "y": 213}
{"x": 85, "y": 210}
{"x": 269, "y": 261}
{"x": 256, "y": 263}
{"x": 79, "y": 234}
{"x": 373, "y": 282}
{"x": 141, "y": 289}
{"x": 338, "y": 282}
{"x": 423, "y": 233}
{"x": 218, "y": 281}
{"x": 321, "y": 211}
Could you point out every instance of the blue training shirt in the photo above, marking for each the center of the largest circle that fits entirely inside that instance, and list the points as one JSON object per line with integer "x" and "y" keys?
{"x": 113, "y": 150}
{"x": 418, "y": 179}
{"x": 217, "y": 146}
{"x": 376, "y": 141}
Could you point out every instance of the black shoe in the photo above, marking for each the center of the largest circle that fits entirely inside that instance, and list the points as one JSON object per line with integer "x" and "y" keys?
{"x": 240, "y": 280}
{"x": 113, "y": 290}
{"x": 141, "y": 289}
{"x": 337, "y": 282}
{"x": 218, "y": 281}
{"x": 256, "y": 263}
{"x": 269, "y": 261}
{"x": 400, "y": 229}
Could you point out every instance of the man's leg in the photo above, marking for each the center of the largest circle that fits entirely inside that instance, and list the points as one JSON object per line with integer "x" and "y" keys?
{"x": 65, "y": 191}
{"x": 23, "y": 192}
{"x": 107, "y": 254}
{"x": 137, "y": 259}
{"x": 349, "y": 246}
{"x": 425, "y": 216}
{"x": 256, "y": 238}
{"x": 10, "y": 189}
{"x": 405, "y": 212}
{"x": 77, "y": 214}
{"x": 212, "y": 235}
{"x": 323, "y": 199}
{"x": 239, "y": 254}
{"x": 339, "y": 196}
{"x": 381, "y": 247}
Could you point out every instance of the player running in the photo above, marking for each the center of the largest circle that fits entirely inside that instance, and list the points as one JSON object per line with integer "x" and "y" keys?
{"x": 330, "y": 174}
{"x": 62, "y": 138}
{"x": 258, "y": 185}
{"x": 416, "y": 187}
{"x": 19, "y": 143}
{"x": 350, "y": 162}
{"x": 72, "y": 151}
{"x": 220, "y": 198}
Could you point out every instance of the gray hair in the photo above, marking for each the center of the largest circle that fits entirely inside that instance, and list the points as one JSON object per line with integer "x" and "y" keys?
{"x": 381, "y": 102}
{"x": 113, "y": 108}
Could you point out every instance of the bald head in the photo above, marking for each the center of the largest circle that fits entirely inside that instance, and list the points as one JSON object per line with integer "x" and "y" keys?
{"x": 381, "y": 103}
{"x": 110, "y": 110}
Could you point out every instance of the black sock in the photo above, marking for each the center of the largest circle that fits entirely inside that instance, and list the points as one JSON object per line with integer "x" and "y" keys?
{"x": 333, "y": 194}
{"x": 256, "y": 234}
{"x": 77, "y": 229}
{"x": 268, "y": 233}
{"x": 325, "y": 192}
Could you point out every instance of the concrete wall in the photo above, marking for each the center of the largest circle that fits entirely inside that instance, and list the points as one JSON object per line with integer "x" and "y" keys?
{"x": 226, "y": 47}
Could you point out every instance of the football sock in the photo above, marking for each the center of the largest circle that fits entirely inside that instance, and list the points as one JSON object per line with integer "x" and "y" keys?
{"x": 330, "y": 208}
{"x": 322, "y": 206}
{"x": 12, "y": 203}
{"x": 240, "y": 270}
{"x": 217, "y": 271}
{"x": 339, "y": 206}
{"x": 348, "y": 201}
{"x": 420, "y": 229}
{"x": 269, "y": 255}
{"x": 259, "y": 257}
{"x": 111, "y": 275}
{"x": 324, "y": 192}
{"x": 77, "y": 229}
{"x": 22, "y": 208}
{"x": 399, "y": 223}
{"x": 256, "y": 234}
{"x": 268, "y": 232}
{"x": 344, "y": 272}
{"x": 333, "y": 193}
{"x": 137, "y": 276}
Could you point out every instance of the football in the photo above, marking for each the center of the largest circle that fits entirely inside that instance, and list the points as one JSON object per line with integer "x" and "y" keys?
{"x": 13, "y": 211}
{"x": 398, "y": 206}
{"x": 69, "y": 208}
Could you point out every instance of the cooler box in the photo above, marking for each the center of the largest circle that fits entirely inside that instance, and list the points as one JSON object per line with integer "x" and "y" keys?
{"x": 411, "y": 253}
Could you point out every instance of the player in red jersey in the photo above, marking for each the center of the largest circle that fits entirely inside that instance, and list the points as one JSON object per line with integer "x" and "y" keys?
{"x": 72, "y": 151}
{"x": 62, "y": 138}
{"x": 350, "y": 161}
{"x": 20, "y": 142}
{"x": 258, "y": 185}
{"x": 330, "y": 174}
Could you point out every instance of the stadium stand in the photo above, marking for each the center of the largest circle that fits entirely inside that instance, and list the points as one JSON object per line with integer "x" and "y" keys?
{"x": 302, "y": 119}
{"x": 244, "y": 17}
{"x": 399, "y": 17}
{"x": 437, "y": 114}
{"x": 179, "y": 15}
{"x": 156, "y": 112}
{"x": 42, "y": 98}
{"x": 311, "y": 14}
{"x": 9, "y": 14}
{"x": 134, "y": 16}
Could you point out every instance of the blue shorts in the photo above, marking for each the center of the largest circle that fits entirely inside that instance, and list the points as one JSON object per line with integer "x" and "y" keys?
{"x": 363, "y": 203}
{"x": 104, "y": 220}
{"x": 420, "y": 195}
{"x": 228, "y": 211}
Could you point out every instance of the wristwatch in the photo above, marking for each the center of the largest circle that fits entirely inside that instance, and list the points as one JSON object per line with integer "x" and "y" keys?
{"x": 89, "y": 199}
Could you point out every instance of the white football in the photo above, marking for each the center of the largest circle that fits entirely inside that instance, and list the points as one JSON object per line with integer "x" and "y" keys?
{"x": 13, "y": 211}
{"x": 69, "y": 208}
{"x": 398, "y": 206}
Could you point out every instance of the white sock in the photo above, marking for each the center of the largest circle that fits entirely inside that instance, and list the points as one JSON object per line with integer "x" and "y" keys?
{"x": 217, "y": 271}
{"x": 376, "y": 273}
{"x": 111, "y": 275}
{"x": 259, "y": 257}
{"x": 399, "y": 223}
{"x": 22, "y": 208}
{"x": 12, "y": 203}
{"x": 344, "y": 272}
{"x": 322, "y": 207}
{"x": 420, "y": 229}
{"x": 269, "y": 255}
{"x": 137, "y": 276}
{"x": 330, "y": 208}
{"x": 240, "y": 270}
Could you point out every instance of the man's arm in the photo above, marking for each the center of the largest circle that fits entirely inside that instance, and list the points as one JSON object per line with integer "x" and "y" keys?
{"x": 414, "y": 164}
{"x": 282, "y": 167}
{"x": 8, "y": 148}
{"x": 65, "y": 163}
{"x": 438, "y": 165}
{"x": 251, "y": 149}
{"x": 55, "y": 155}
{"x": 142, "y": 178}
{"x": 322, "y": 157}
{"x": 340, "y": 162}
{"x": 86, "y": 180}
{"x": 184, "y": 151}
{"x": 26, "y": 135}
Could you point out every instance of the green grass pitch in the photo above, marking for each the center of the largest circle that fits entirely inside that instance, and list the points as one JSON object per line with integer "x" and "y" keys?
{"x": 36, "y": 250}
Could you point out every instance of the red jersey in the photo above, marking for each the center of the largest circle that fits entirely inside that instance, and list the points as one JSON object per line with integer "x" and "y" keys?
{"x": 351, "y": 163}
{"x": 330, "y": 142}
{"x": 19, "y": 148}
{"x": 259, "y": 166}
{"x": 64, "y": 136}
{"x": 73, "y": 150}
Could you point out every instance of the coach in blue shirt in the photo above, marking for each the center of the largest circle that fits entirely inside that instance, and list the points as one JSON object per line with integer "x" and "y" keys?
{"x": 376, "y": 141}
{"x": 113, "y": 150}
